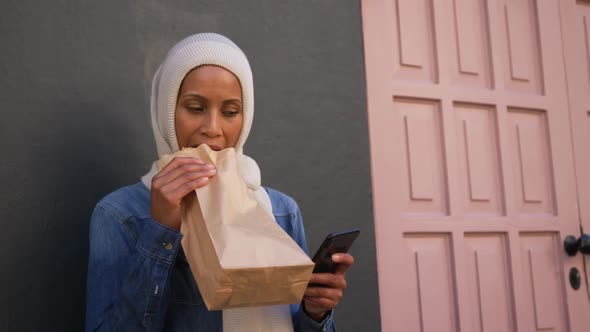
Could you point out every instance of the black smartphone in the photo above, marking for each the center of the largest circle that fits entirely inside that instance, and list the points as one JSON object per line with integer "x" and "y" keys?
{"x": 339, "y": 242}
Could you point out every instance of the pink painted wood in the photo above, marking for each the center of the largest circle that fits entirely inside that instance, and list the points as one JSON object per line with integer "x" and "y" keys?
{"x": 575, "y": 16}
{"x": 472, "y": 162}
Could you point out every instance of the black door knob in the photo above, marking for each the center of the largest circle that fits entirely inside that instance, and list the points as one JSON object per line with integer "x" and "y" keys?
{"x": 585, "y": 244}
{"x": 573, "y": 245}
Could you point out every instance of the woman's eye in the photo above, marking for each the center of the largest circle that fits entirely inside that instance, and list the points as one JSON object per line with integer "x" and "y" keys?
{"x": 195, "y": 109}
{"x": 230, "y": 113}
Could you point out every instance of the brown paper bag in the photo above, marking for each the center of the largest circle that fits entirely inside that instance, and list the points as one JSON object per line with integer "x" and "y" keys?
{"x": 239, "y": 255}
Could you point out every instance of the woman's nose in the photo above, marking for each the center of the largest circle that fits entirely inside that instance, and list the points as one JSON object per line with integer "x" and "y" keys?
{"x": 212, "y": 127}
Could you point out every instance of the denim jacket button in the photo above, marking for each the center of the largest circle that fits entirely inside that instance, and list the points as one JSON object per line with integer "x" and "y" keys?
{"x": 168, "y": 246}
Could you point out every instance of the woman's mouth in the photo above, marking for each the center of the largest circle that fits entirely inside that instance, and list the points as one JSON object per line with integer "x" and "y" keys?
{"x": 212, "y": 146}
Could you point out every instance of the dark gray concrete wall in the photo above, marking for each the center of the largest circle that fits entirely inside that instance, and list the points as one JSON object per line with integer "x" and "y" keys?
{"x": 74, "y": 85}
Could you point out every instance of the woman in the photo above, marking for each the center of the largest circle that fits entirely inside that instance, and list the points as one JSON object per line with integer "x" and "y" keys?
{"x": 138, "y": 276}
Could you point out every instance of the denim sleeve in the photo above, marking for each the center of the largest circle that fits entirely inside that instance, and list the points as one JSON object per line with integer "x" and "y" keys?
{"x": 129, "y": 265}
{"x": 302, "y": 322}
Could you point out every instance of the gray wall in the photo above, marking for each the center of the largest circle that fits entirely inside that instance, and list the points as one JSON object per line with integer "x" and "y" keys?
{"x": 74, "y": 85}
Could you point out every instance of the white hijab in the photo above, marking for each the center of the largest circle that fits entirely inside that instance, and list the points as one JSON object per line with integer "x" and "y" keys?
{"x": 214, "y": 49}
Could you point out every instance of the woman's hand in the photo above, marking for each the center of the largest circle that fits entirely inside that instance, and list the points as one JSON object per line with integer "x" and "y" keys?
{"x": 325, "y": 290}
{"x": 180, "y": 177}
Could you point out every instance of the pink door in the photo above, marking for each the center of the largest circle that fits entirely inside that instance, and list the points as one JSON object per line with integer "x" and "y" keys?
{"x": 576, "y": 39}
{"x": 473, "y": 168}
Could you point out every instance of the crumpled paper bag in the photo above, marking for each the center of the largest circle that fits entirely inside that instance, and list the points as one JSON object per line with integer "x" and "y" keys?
{"x": 239, "y": 255}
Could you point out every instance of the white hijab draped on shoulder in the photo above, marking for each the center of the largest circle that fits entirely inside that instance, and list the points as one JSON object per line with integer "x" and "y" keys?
{"x": 214, "y": 49}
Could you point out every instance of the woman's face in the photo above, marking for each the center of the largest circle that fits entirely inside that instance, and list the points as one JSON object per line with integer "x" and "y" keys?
{"x": 209, "y": 109}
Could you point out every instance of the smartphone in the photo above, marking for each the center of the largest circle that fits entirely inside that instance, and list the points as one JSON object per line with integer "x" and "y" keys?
{"x": 339, "y": 242}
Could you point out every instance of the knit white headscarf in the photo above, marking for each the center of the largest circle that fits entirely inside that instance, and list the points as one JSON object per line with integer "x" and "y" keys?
{"x": 213, "y": 49}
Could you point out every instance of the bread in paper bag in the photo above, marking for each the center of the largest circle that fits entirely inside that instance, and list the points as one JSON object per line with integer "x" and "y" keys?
{"x": 239, "y": 255}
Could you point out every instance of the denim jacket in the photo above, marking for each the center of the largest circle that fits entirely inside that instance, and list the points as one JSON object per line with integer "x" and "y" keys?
{"x": 139, "y": 278}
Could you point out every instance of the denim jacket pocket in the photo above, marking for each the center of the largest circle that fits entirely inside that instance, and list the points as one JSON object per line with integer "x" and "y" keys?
{"x": 183, "y": 288}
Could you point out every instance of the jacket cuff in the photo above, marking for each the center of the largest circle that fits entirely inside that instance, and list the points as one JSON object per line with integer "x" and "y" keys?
{"x": 157, "y": 241}
{"x": 306, "y": 323}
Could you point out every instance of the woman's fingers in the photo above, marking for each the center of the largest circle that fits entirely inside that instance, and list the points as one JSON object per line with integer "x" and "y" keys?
{"x": 343, "y": 262}
{"x": 319, "y": 303}
{"x": 324, "y": 292}
{"x": 177, "y": 167}
{"x": 187, "y": 182}
{"x": 327, "y": 280}
{"x": 176, "y": 161}
{"x": 318, "y": 300}
{"x": 177, "y": 179}
{"x": 180, "y": 177}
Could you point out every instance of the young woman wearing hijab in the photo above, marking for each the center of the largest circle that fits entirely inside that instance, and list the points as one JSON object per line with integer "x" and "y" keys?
{"x": 138, "y": 275}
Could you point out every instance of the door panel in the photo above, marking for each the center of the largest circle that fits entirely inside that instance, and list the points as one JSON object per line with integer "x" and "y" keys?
{"x": 479, "y": 160}
{"x": 473, "y": 170}
{"x": 542, "y": 282}
{"x": 487, "y": 263}
{"x": 430, "y": 282}
{"x": 531, "y": 162}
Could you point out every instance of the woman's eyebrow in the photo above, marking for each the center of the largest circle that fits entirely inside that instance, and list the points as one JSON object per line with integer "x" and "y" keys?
{"x": 235, "y": 101}
{"x": 202, "y": 98}
{"x": 193, "y": 95}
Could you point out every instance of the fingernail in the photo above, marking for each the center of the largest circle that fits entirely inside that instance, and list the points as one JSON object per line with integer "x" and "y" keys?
{"x": 336, "y": 257}
{"x": 210, "y": 166}
{"x": 211, "y": 170}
